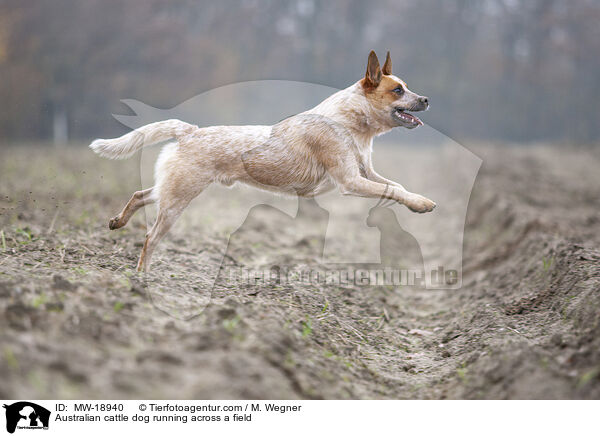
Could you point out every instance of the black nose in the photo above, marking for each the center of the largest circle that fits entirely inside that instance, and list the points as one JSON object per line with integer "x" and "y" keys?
{"x": 424, "y": 100}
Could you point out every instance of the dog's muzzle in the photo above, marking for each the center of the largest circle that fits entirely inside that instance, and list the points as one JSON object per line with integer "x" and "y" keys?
{"x": 407, "y": 119}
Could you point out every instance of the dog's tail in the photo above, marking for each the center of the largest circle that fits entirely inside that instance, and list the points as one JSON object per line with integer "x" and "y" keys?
{"x": 126, "y": 145}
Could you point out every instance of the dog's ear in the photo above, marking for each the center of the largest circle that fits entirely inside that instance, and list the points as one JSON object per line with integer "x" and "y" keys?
{"x": 387, "y": 66}
{"x": 373, "y": 75}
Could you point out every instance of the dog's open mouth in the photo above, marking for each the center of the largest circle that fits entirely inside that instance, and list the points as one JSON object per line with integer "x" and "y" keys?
{"x": 407, "y": 119}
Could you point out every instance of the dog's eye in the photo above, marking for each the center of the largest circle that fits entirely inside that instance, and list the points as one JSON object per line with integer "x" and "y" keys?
{"x": 399, "y": 90}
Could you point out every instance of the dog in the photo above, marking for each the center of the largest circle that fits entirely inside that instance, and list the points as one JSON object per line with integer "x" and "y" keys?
{"x": 306, "y": 154}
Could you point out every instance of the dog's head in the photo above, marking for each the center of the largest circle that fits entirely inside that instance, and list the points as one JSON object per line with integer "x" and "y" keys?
{"x": 388, "y": 97}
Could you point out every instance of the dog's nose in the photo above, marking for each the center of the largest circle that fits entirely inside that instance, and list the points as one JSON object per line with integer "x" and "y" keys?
{"x": 424, "y": 100}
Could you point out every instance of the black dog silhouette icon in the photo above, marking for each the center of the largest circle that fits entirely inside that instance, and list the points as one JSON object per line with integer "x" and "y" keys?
{"x": 26, "y": 414}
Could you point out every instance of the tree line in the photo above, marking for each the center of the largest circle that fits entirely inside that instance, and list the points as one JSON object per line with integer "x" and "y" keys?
{"x": 514, "y": 70}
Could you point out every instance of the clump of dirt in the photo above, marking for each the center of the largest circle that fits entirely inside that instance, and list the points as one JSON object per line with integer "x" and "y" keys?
{"x": 78, "y": 321}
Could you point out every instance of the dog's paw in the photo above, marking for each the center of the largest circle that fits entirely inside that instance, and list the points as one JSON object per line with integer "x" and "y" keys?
{"x": 418, "y": 203}
{"x": 114, "y": 223}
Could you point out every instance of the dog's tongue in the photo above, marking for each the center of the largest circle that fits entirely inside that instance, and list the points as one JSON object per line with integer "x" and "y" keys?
{"x": 409, "y": 118}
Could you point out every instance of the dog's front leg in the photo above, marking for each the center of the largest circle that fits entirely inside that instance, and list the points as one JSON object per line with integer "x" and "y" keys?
{"x": 362, "y": 187}
{"x": 415, "y": 202}
{"x": 344, "y": 170}
{"x": 376, "y": 177}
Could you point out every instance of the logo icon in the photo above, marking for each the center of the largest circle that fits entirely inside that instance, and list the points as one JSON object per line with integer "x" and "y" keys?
{"x": 26, "y": 415}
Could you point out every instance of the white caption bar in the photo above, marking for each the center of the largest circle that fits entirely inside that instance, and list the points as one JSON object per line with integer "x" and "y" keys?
{"x": 22, "y": 417}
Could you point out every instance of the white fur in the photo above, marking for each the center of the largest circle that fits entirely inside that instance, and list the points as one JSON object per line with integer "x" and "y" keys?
{"x": 126, "y": 145}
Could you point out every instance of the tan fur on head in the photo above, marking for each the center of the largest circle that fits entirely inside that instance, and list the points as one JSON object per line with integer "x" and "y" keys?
{"x": 308, "y": 154}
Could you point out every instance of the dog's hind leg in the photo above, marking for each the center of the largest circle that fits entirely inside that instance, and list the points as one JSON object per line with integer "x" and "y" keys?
{"x": 170, "y": 206}
{"x": 138, "y": 200}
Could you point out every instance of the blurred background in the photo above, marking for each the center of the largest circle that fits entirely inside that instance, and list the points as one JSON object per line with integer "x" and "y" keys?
{"x": 510, "y": 70}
